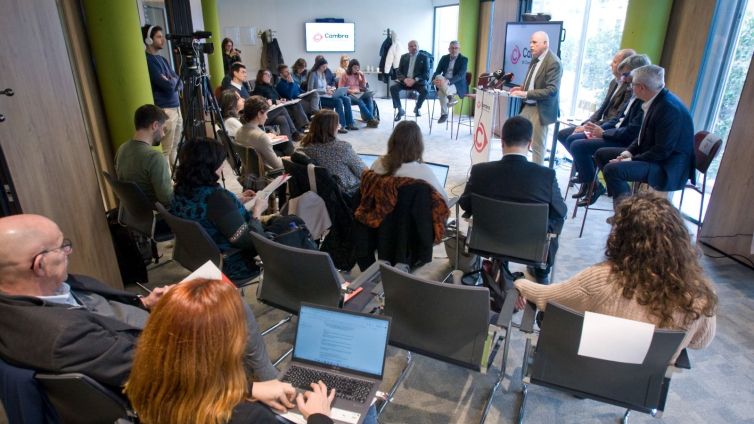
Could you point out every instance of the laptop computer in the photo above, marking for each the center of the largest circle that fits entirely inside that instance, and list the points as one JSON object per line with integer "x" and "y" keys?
{"x": 440, "y": 170}
{"x": 339, "y": 92}
{"x": 346, "y": 350}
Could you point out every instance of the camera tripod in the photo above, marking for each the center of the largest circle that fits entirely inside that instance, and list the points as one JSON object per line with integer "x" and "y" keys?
{"x": 201, "y": 109}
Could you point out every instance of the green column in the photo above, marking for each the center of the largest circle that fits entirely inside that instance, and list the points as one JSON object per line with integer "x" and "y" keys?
{"x": 468, "y": 31}
{"x": 212, "y": 24}
{"x": 645, "y": 27}
{"x": 114, "y": 32}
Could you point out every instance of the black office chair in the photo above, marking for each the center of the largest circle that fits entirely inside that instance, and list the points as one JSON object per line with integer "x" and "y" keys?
{"x": 556, "y": 364}
{"x": 194, "y": 247}
{"x": 510, "y": 231}
{"x": 81, "y": 400}
{"x": 23, "y": 399}
{"x": 136, "y": 212}
{"x": 291, "y": 275}
{"x": 446, "y": 322}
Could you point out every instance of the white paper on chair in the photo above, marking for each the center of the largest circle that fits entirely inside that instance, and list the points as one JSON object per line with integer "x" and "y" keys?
{"x": 706, "y": 145}
{"x": 615, "y": 339}
{"x": 263, "y": 195}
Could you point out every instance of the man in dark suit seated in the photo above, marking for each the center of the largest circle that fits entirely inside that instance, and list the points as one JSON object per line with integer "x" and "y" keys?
{"x": 663, "y": 153}
{"x": 55, "y": 322}
{"x": 612, "y": 104}
{"x": 238, "y": 80}
{"x": 617, "y": 132}
{"x": 413, "y": 74}
{"x": 450, "y": 78}
{"x": 513, "y": 178}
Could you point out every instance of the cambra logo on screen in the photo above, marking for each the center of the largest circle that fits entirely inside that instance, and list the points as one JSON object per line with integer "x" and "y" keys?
{"x": 318, "y": 36}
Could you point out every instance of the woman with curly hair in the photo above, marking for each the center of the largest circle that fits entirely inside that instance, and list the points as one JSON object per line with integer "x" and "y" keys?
{"x": 652, "y": 274}
{"x": 188, "y": 366}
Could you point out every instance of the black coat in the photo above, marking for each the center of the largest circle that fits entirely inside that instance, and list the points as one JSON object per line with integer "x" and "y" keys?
{"x": 421, "y": 68}
{"x": 629, "y": 129}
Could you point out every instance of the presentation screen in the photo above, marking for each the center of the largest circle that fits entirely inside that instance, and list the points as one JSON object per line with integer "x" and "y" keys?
{"x": 517, "y": 37}
{"x": 330, "y": 37}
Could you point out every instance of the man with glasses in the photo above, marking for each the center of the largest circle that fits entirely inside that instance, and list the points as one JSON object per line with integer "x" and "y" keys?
{"x": 55, "y": 322}
{"x": 619, "y": 131}
{"x": 450, "y": 78}
{"x": 617, "y": 95}
{"x": 663, "y": 153}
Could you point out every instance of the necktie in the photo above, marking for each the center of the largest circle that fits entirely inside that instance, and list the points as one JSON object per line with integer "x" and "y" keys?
{"x": 529, "y": 75}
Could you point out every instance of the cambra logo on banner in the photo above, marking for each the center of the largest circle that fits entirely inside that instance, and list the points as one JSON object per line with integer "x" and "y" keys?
{"x": 516, "y": 55}
{"x": 329, "y": 37}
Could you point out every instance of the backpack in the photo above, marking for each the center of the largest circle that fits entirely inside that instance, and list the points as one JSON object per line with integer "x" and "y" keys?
{"x": 311, "y": 208}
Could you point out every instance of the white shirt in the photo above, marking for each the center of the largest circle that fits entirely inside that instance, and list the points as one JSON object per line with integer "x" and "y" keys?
{"x": 625, "y": 112}
{"x": 416, "y": 170}
{"x": 62, "y": 296}
{"x": 534, "y": 73}
{"x": 238, "y": 85}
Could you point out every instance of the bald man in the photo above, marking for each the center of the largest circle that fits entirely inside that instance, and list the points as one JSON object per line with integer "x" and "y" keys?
{"x": 56, "y": 322}
{"x": 540, "y": 92}
{"x": 412, "y": 74}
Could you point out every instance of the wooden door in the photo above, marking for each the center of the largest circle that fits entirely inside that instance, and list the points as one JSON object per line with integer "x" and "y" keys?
{"x": 44, "y": 136}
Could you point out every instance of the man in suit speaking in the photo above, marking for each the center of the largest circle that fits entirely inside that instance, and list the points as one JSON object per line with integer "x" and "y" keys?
{"x": 513, "y": 178}
{"x": 450, "y": 78}
{"x": 540, "y": 92}
{"x": 413, "y": 74}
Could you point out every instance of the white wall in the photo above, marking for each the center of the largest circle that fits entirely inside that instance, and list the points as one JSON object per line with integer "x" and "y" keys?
{"x": 410, "y": 19}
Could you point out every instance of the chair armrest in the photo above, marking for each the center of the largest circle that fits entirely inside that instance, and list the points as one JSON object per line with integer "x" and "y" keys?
{"x": 453, "y": 201}
{"x": 506, "y": 312}
{"x": 527, "y": 321}
{"x": 273, "y": 173}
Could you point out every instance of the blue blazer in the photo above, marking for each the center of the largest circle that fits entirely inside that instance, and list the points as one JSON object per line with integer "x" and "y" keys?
{"x": 667, "y": 139}
{"x": 459, "y": 72}
{"x": 629, "y": 130}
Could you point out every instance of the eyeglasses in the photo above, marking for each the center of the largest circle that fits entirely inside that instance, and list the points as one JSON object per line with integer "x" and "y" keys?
{"x": 66, "y": 247}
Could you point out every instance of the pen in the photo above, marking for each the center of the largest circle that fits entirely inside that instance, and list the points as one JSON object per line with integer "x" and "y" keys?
{"x": 143, "y": 287}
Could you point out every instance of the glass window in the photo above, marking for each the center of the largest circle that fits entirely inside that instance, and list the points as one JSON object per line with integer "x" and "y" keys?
{"x": 446, "y": 29}
{"x": 593, "y": 32}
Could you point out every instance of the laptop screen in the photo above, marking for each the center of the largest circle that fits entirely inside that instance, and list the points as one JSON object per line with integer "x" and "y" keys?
{"x": 341, "y": 339}
{"x": 440, "y": 170}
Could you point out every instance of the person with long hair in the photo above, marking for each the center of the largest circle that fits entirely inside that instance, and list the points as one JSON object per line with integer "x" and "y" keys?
{"x": 188, "y": 365}
{"x": 231, "y": 55}
{"x": 344, "y": 59}
{"x": 405, "y": 148}
{"x": 318, "y": 80}
{"x": 337, "y": 156}
{"x": 354, "y": 80}
{"x": 263, "y": 87}
{"x": 299, "y": 72}
{"x": 199, "y": 197}
{"x": 230, "y": 104}
{"x": 288, "y": 88}
{"x": 254, "y": 115}
{"x": 651, "y": 274}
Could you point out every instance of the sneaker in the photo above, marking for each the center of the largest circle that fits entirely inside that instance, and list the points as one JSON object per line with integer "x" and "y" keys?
{"x": 442, "y": 119}
{"x": 352, "y": 127}
{"x": 399, "y": 115}
{"x": 342, "y": 131}
{"x": 373, "y": 123}
{"x": 452, "y": 100}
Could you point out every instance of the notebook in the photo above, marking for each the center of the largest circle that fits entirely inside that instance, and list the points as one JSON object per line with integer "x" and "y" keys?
{"x": 440, "y": 170}
{"x": 344, "y": 349}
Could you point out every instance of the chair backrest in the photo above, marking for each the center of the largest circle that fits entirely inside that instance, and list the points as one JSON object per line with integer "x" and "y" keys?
{"x": 135, "y": 210}
{"x": 443, "y": 321}
{"x": 557, "y": 364}
{"x": 251, "y": 162}
{"x": 706, "y": 149}
{"x": 193, "y": 246}
{"x": 517, "y": 231}
{"x": 79, "y": 399}
{"x": 292, "y": 275}
{"x": 24, "y": 401}
{"x": 232, "y": 156}
{"x": 482, "y": 80}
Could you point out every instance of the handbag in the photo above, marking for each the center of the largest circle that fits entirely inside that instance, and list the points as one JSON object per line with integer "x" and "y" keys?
{"x": 311, "y": 208}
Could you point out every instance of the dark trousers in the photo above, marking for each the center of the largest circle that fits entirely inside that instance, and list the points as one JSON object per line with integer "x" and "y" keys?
{"x": 618, "y": 174}
{"x": 282, "y": 119}
{"x": 395, "y": 93}
{"x": 583, "y": 152}
{"x": 296, "y": 112}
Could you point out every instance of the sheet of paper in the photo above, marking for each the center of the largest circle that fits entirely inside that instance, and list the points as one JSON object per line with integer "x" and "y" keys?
{"x": 615, "y": 339}
{"x": 233, "y": 32}
{"x": 208, "y": 271}
{"x": 336, "y": 414}
{"x": 263, "y": 195}
{"x": 706, "y": 145}
{"x": 302, "y": 95}
{"x": 248, "y": 36}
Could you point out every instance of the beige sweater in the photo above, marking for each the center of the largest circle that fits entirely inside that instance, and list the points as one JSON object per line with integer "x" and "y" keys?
{"x": 592, "y": 290}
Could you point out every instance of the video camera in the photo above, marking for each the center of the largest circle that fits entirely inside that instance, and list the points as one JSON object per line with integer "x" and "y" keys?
{"x": 189, "y": 47}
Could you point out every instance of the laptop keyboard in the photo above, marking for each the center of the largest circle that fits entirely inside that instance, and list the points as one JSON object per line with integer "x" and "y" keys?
{"x": 345, "y": 388}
